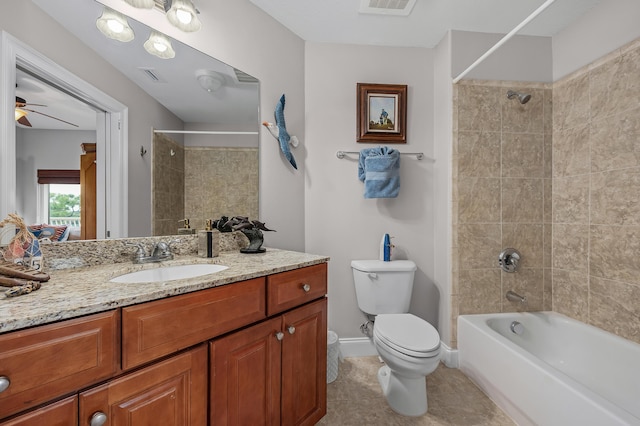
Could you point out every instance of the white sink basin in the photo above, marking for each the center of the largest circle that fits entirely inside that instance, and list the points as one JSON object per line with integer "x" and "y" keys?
{"x": 168, "y": 273}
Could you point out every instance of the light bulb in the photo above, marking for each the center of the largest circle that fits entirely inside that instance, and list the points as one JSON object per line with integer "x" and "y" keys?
{"x": 183, "y": 16}
{"x": 115, "y": 26}
{"x": 160, "y": 47}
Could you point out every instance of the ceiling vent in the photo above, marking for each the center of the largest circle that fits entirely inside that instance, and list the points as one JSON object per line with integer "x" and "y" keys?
{"x": 152, "y": 75}
{"x": 243, "y": 77}
{"x": 387, "y": 7}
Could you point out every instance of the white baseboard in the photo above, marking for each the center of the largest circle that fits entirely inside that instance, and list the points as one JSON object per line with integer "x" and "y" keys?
{"x": 357, "y": 346}
{"x": 363, "y": 346}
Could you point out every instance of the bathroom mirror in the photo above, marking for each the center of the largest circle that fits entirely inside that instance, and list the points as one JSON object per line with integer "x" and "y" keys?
{"x": 207, "y": 151}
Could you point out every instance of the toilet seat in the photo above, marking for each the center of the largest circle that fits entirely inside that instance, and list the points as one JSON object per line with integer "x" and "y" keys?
{"x": 407, "y": 334}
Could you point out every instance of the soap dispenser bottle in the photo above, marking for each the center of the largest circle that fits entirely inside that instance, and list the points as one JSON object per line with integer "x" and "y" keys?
{"x": 186, "y": 228}
{"x": 385, "y": 248}
{"x": 208, "y": 241}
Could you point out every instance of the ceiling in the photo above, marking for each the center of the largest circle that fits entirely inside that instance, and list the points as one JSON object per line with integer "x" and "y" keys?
{"x": 328, "y": 21}
{"x": 176, "y": 86}
{"x": 339, "y": 21}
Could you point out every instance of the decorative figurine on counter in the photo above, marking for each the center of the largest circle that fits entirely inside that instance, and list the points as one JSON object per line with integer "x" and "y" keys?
{"x": 252, "y": 229}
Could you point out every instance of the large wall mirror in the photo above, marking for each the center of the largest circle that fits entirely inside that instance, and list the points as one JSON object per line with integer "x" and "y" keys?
{"x": 189, "y": 144}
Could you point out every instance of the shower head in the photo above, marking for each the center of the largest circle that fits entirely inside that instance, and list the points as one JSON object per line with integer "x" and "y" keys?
{"x": 523, "y": 98}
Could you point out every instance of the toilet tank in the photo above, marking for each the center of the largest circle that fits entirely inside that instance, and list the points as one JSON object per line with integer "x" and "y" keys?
{"x": 383, "y": 287}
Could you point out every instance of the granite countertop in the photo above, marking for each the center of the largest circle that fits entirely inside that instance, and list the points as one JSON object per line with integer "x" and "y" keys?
{"x": 80, "y": 291}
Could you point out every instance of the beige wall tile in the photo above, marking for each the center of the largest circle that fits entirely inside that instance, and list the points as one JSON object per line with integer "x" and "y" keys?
{"x": 478, "y": 154}
{"x": 547, "y": 290}
{"x": 615, "y": 141}
{"x": 479, "y": 108}
{"x": 570, "y": 247}
{"x": 479, "y": 200}
{"x": 547, "y": 245}
{"x": 571, "y": 294}
{"x": 522, "y": 155}
{"x": 547, "y": 112}
{"x": 480, "y": 245}
{"x": 615, "y": 85}
{"x": 571, "y": 199}
{"x": 623, "y": 299}
{"x": 614, "y": 253}
{"x": 528, "y": 239}
{"x": 480, "y": 291}
{"x": 547, "y": 206}
{"x": 615, "y": 197}
{"x": 522, "y": 200}
{"x": 571, "y": 103}
{"x": 571, "y": 151}
{"x": 548, "y": 155}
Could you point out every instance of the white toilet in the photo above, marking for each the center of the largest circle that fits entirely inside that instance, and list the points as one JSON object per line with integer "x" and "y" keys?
{"x": 409, "y": 346}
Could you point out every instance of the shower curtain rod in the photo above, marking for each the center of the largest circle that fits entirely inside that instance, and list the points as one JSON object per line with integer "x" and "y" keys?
{"x": 504, "y": 39}
{"x": 204, "y": 132}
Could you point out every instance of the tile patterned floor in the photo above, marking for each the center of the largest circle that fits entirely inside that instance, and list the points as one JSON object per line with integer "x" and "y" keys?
{"x": 355, "y": 398}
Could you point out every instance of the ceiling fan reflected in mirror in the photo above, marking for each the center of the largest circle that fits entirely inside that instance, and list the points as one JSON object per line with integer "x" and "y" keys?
{"x": 22, "y": 111}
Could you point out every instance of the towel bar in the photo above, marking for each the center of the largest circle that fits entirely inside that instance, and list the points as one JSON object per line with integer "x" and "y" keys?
{"x": 419, "y": 155}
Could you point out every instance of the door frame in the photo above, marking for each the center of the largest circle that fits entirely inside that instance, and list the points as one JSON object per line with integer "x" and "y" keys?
{"x": 111, "y": 135}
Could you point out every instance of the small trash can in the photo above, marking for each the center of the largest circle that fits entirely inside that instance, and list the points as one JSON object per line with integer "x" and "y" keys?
{"x": 333, "y": 356}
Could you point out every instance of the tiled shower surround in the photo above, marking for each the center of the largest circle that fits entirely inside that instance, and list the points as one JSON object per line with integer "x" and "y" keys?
{"x": 201, "y": 183}
{"x": 558, "y": 179}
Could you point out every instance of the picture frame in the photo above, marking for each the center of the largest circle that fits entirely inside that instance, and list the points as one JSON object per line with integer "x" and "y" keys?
{"x": 382, "y": 113}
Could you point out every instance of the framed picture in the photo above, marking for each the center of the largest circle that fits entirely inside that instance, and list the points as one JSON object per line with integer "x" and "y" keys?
{"x": 382, "y": 113}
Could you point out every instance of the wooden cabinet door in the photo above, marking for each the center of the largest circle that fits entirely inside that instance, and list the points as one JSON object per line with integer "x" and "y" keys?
{"x": 245, "y": 376}
{"x": 50, "y": 361}
{"x": 172, "y": 392}
{"x": 304, "y": 364}
{"x": 61, "y": 413}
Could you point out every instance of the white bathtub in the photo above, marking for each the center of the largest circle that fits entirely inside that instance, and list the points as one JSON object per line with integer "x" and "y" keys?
{"x": 559, "y": 371}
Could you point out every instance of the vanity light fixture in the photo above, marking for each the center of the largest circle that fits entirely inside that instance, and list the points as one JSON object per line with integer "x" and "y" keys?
{"x": 114, "y": 25}
{"x": 159, "y": 45}
{"x": 142, "y": 4}
{"x": 183, "y": 15}
{"x": 209, "y": 80}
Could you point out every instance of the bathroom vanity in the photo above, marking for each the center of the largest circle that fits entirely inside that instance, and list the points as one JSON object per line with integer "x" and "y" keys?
{"x": 246, "y": 345}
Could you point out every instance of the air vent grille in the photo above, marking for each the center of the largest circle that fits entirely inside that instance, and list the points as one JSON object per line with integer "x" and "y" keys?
{"x": 243, "y": 77}
{"x": 387, "y": 7}
{"x": 152, "y": 75}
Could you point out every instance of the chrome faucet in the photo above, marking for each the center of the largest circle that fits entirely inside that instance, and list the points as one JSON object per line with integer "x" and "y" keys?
{"x": 160, "y": 251}
{"x": 512, "y": 296}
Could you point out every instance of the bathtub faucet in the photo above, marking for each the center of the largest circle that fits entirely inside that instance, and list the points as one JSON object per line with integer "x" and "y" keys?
{"x": 512, "y": 296}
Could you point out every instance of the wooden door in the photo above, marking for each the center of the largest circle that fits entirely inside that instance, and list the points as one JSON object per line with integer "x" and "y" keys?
{"x": 88, "y": 194}
{"x": 169, "y": 393}
{"x": 245, "y": 376}
{"x": 304, "y": 364}
{"x": 61, "y": 413}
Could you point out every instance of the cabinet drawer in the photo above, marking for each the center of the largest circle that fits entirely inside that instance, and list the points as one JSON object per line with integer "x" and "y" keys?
{"x": 48, "y": 361}
{"x": 290, "y": 289}
{"x": 159, "y": 328}
{"x": 61, "y": 413}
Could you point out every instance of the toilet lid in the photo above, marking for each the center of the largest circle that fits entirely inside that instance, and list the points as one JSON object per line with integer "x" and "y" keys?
{"x": 407, "y": 333}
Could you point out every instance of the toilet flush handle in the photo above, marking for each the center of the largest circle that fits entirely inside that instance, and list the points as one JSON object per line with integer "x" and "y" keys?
{"x": 372, "y": 275}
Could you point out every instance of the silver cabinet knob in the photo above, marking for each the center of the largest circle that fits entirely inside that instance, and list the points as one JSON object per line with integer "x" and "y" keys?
{"x": 98, "y": 419}
{"x": 4, "y": 383}
{"x": 291, "y": 329}
{"x": 306, "y": 288}
{"x": 279, "y": 335}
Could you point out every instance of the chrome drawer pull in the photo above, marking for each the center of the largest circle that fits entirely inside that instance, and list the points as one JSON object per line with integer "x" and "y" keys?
{"x": 291, "y": 329}
{"x": 4, "y": 383}
{"x": 306, "y": 288}
{"x": 98, "y": 419}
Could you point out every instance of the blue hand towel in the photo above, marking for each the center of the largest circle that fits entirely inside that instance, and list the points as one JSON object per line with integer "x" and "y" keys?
{"x": 379, "y": 169}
